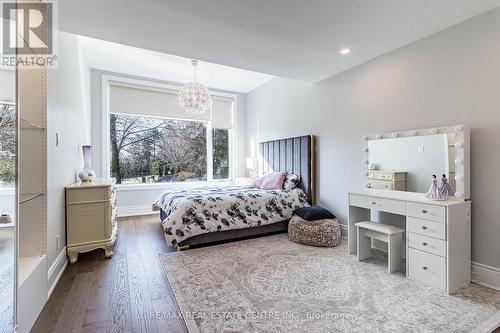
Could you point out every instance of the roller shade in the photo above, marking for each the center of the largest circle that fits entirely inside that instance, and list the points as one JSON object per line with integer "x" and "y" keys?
{"x": 148, "y": 101}
{"x": 222, "y": 112}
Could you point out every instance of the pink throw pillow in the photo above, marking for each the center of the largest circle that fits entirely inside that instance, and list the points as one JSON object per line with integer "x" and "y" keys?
{"x": 273, "y": 181}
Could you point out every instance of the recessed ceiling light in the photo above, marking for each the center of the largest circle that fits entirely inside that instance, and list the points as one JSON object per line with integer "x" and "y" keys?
{"x": 345, "y": 51}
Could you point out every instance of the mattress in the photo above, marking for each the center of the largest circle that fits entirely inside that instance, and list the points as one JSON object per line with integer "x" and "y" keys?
{"x": 190, "y": 212}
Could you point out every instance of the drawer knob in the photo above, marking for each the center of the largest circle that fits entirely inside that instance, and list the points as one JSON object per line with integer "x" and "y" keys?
{"x": 424, "y": 227}
{"x": 374, "y": 203}
{"x": 425, "y": 268}
{"x": 424, "y": 211}
{"x": 425, "y": 244}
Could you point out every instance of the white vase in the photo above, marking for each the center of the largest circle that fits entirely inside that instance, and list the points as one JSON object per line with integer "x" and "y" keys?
{"x": 87, "y": 174}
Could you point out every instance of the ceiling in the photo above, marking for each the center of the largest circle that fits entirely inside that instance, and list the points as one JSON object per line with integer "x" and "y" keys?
{"x": 298, "y": 39}
{"x": 124, "y": 59}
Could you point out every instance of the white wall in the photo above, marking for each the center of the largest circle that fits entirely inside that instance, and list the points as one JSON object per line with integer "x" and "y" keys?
{"x": 450, "y": 77}
{"x": 142, "y": 199}
{"x": 403, "y": 154}
{"x": 68, "y": 115}
{"x": 7, "y": 85}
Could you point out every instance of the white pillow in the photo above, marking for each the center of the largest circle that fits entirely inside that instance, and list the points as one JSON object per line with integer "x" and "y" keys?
{"x": 291, "y": 181}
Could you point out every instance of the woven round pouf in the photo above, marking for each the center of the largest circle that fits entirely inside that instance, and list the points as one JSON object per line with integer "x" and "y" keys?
{"x": 315, "y": 233}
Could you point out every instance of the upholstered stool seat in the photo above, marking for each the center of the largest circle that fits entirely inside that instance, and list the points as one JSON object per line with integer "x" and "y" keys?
{"x": 316, "y": 233}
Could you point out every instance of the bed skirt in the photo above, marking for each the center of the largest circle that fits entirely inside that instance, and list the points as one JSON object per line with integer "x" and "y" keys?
{"x": 213, "y": 238}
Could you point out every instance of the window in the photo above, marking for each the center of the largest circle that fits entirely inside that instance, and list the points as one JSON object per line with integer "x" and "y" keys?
{"x": 149, "y": 150}
{"x": 221, "y": 160}
{"x": 7, "y": 144}
{"x": 149, "y": 142}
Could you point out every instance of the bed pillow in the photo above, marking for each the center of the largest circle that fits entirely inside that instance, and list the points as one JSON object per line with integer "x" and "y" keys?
{"x": 314, "y": 213}
{"x": 258, "y": 182}
{"x": 291, "y": 181}
{"x": 271, "y": 181}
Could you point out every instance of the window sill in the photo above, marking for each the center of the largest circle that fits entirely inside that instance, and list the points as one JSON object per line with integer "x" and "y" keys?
{"x": 169, "y": 186}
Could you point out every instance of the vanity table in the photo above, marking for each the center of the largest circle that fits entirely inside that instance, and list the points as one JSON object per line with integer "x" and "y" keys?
{"x": 438, "y": 232}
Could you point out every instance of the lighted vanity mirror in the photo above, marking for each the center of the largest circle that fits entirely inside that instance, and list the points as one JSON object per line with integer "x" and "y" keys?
{"x": 407, "y": 160}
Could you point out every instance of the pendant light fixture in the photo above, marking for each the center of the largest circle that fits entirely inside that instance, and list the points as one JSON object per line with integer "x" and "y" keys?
{"x": 194, "y": 97}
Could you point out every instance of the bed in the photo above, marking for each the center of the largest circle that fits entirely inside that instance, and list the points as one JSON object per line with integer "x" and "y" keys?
{"x": 213, "y": 214}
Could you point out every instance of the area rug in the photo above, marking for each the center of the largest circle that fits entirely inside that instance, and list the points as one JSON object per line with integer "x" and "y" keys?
{"x": 270, "y": 284}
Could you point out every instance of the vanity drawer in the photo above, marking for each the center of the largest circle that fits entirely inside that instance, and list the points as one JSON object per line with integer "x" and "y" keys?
{"x": 427, "y": 244}
{"x": 384, "y": 205}
{"x": 427, "y": 212}
{"x": 426, "y": 228}
{"x": 427, "y": 268}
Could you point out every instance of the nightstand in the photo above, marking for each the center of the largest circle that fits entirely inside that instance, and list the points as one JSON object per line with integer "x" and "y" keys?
{"x": 91, "y": 217}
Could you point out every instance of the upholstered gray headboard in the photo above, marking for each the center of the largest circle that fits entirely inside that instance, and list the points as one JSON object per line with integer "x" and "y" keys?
{"x": 295, "y": 155}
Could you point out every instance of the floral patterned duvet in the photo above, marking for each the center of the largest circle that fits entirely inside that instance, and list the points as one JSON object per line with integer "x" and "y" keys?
{"x": 190, "y": 212}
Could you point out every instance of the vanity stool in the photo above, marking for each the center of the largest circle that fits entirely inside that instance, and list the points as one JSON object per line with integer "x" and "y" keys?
{"x": 392, "y": 235}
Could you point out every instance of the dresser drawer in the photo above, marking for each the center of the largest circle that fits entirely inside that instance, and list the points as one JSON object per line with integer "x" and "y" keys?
{"x": 426, "y": 228}
{"x": 383, "y": 176}
{"x": 380, "y": 184}
{"x": 427, "y": 212}
{"x": 384, "y": 205}
{"x": 427, "y": 244}
{"x": 427, "y": 268}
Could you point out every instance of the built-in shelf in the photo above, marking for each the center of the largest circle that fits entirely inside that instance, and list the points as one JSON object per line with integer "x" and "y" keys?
{"x": 26, "y": 266}
{"x": 26, "y": 124}
{"x": 25, "y": 197}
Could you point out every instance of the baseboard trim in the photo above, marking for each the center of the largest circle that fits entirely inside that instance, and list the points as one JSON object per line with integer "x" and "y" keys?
{"x": 344, "y": 230}
{"x": 54, "y": 274}
{"x": 485, "y": 275}
{"x": 135, "y": 210}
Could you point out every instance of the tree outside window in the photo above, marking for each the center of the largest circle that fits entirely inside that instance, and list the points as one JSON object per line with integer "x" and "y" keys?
{"x": 7, "y": 144}
{"x": 151, "y": 150}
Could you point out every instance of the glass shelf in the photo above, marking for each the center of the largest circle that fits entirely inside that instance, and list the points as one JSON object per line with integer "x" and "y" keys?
{"x": 26, "y": 124}
{"x": 26, "y": 197}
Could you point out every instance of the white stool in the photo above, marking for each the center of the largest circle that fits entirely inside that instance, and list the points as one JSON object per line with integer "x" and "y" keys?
{"x": 392, "y": 235}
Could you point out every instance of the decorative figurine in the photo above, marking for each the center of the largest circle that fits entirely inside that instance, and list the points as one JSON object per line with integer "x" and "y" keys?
{"x": 445, "y": 188}
{"x": 433, "y": 193}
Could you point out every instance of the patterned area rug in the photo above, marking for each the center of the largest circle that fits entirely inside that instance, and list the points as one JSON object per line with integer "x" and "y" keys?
{"x": 270, "y": 284}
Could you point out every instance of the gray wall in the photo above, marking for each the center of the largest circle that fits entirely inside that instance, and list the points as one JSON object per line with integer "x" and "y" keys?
{"x": 68, "y": 115}
{"x": 450, "y": 77}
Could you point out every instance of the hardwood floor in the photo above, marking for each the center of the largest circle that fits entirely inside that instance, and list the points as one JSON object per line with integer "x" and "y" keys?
{"x": 127, "y": 293}
{"x": 7, "y": 247}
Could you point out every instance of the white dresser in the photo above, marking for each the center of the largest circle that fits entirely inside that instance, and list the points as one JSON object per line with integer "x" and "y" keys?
{"x": 91, "y": 217}
{"x": 438, "y": 236}
{"x": 387, "y": 180}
